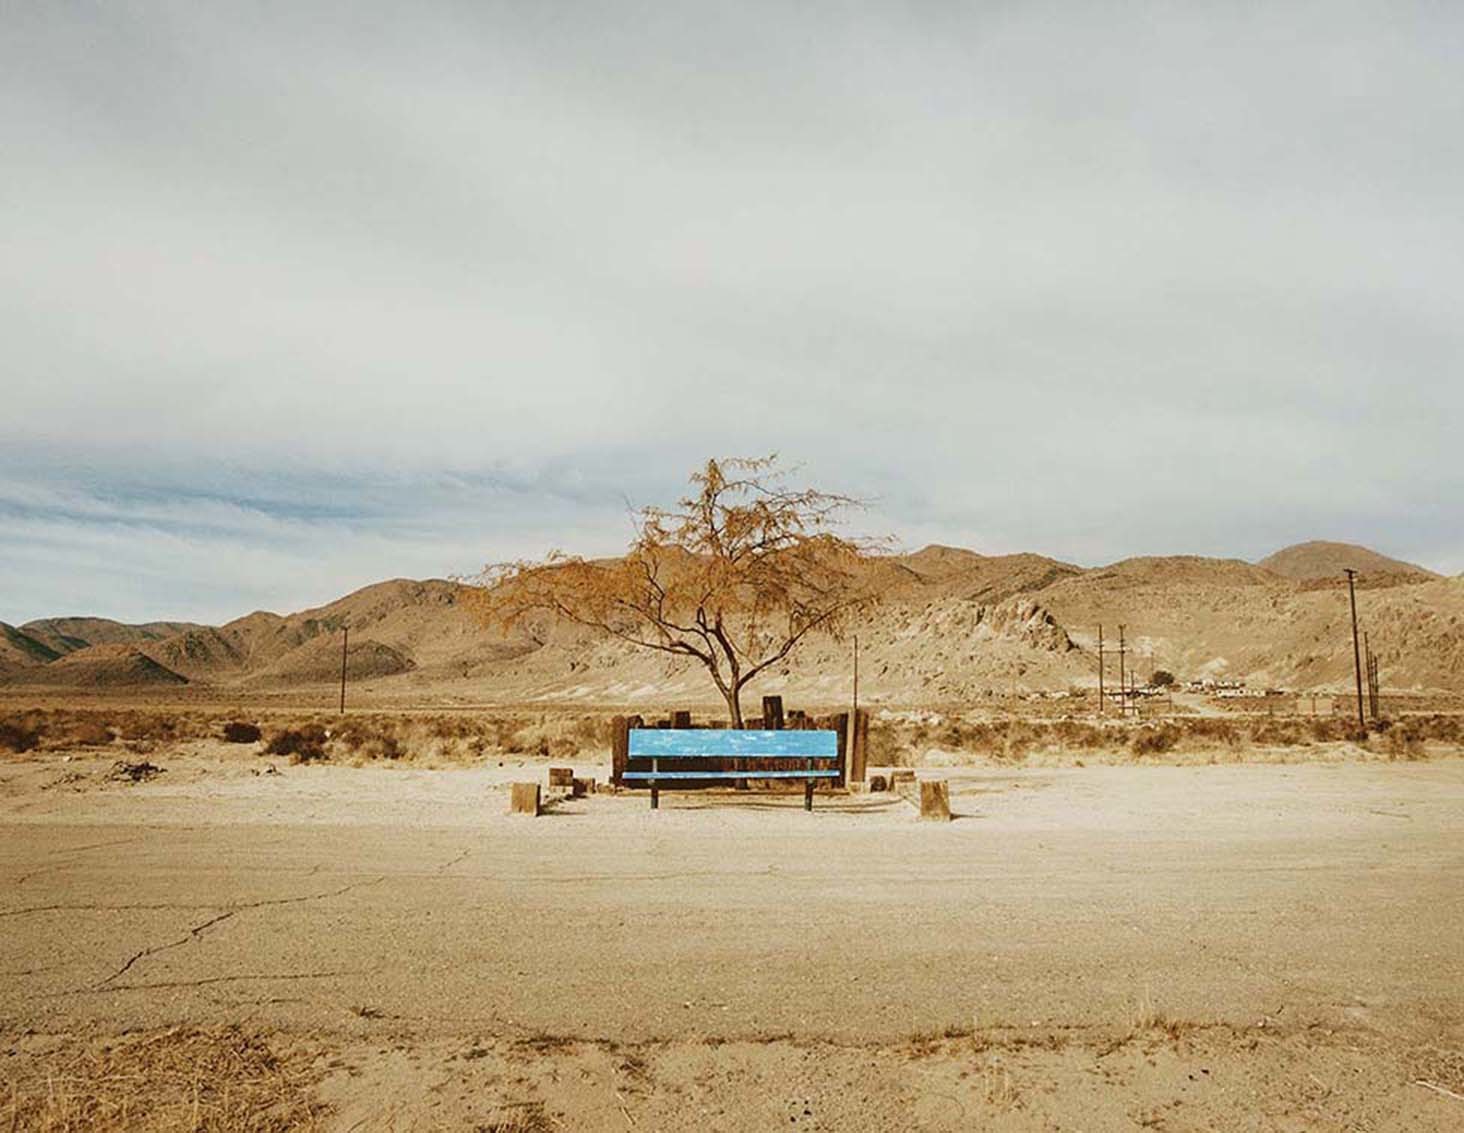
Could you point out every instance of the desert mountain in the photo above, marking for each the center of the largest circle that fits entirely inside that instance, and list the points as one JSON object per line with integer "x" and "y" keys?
{"x": 66, "y": 635}
{"x": 19, "y": 649}
{"x": 100, "y": 667}
{"x": 954, "y": 626}
{"x": 1320, "y": 559}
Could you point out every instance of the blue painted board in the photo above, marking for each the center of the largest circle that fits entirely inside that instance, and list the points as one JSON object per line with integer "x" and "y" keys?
{"x": 711, "y": 774}
{"x": 671, "y": 743}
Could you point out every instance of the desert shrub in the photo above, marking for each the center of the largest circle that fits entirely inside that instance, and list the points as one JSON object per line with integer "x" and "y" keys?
{"x": 85, "y": 733}
{"x": 1213, "y": 730}
{"x": 302, "y": 745}
{"x": 241, "y": 732}
{"x": 1280, "y": 733}
{"x": 884, "y": 747}
{"x": 381, "y": 746}
{"x": 18, "y": 737}
{"x": 1078, "y": 736}
{"x": 1404, "y": 742}
{"x": 1155, "y": 740}
{"x": 1162, "y": 678}
{"x": 1022, "y": 737}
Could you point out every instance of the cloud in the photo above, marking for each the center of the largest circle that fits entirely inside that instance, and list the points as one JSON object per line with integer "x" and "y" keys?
{"x": 1157, "y": 281}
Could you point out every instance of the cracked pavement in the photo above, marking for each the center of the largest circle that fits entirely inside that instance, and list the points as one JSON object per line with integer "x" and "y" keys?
{"x": 326, "y": 896}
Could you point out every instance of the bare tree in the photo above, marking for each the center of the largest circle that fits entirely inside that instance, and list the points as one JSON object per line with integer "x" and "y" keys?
{"x": 735, "y": 576}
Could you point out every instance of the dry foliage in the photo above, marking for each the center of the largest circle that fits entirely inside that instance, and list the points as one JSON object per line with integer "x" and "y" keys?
{"x": 896, "y": 742}
{"x": 734, "y": 577}
{"x": 198, "y": 1081}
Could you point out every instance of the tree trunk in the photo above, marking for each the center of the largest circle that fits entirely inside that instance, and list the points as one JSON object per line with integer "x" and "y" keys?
{"x": 734, "y": 707}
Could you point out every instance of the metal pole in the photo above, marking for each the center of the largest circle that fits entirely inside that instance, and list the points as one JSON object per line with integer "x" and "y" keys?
{"x": 1356, "y": 648}
{"x": 345, "y": 642}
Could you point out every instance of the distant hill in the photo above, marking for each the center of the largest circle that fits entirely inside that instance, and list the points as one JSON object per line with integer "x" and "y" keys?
{"x": 19, "y": 649}
{"x": 109, "y": 667}
{"x": 66, "y": 635}
{"x": 1320, "y": 559}
{"x": 954, "y": 626}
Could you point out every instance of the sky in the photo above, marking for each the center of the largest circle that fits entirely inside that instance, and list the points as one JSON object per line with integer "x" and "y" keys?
{"x": 296, "y": 298}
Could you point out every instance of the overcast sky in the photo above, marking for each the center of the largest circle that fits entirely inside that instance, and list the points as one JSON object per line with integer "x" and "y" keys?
{"x": 295, "y": 299}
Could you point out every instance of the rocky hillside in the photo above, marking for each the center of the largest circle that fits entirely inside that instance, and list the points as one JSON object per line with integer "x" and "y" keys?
{"x": 1320, "y": 559}
{"x": 953, "y": 625}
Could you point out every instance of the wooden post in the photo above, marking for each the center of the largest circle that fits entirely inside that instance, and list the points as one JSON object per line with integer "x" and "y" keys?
{"x": 857, "y": 766}
{"x": 773, "y": 713}
{"x": 619, "y": 747}
{"x": 935, "y": 800}
{"x": 524, "y": 799}
{"x": 681, "y": 719}
{"x": 1356, "y": 649}
{"x": 345, "y": 643}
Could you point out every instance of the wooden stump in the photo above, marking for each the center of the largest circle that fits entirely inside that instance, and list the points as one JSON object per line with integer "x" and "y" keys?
{"x": 561, "y": 776}
{"x": 581, "y": 787}
{"x": 935, "y": 800}
{"x": 877, "y": 783}
{"x": 524, "y": 799}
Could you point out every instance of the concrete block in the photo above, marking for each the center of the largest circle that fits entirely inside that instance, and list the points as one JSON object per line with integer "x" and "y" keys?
{"x": 561, "y": 776}
{"x": 524, "y": 799}
{"x": 935, "y": 800}
{"x": 858, "y": 787}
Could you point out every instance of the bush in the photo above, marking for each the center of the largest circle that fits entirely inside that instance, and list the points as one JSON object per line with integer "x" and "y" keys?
{"x": 240, "y": 732}
{"x": 1155, "y": 741}
{"x": 302, "y": 745}
{"x": 1162, "y": 678}
{"x": 87, "y": 733}
{"x": 18, "y": 737}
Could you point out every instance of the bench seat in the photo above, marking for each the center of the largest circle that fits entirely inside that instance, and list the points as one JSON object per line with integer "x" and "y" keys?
{"x": 720, "y": 747}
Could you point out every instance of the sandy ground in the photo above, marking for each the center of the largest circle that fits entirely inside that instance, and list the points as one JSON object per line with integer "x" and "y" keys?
{"x": 1189, "y": 947}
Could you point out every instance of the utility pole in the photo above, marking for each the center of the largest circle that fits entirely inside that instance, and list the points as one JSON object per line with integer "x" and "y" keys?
{"x": 1356, "y": 648}
{"x": 1101, "y": 708}
{"x": 856, "y": 678}
{"x": 345, "y": 641}
{"x": 1122, "y": 687}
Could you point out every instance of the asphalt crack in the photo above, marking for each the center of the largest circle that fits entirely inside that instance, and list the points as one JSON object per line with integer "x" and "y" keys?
{"x": 229, "y": 911}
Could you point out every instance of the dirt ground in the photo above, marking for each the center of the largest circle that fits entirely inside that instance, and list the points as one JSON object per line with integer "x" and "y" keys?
{"x": 1100, "y": 948}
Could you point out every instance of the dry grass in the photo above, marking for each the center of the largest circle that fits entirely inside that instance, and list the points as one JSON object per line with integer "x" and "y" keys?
{"x": 461, "y": 738}
{"x": 181, "y": 1079}
{"x": 433, "y": 739}
{"x": 903, "y": 742}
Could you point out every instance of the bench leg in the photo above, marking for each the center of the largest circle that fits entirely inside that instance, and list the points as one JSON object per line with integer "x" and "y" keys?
{"x": 655, "y": 796}
{"x": 808, "y": 795}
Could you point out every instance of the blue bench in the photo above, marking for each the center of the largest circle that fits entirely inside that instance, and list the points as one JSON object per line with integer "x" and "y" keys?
{"x": 706, "y": 753}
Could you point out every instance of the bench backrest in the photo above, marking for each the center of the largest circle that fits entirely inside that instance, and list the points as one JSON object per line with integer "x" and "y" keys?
{"x": 728, "y": 743}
